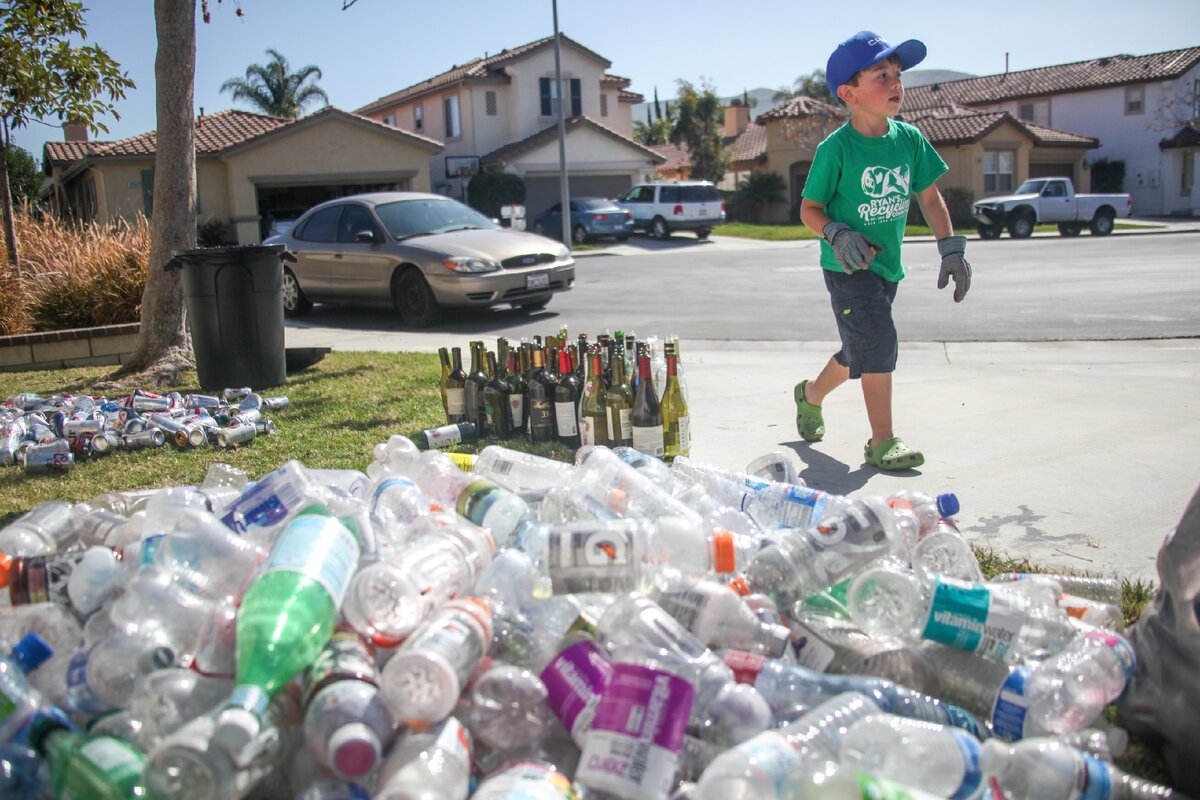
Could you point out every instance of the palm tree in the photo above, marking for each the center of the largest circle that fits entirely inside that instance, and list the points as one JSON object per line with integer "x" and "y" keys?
{"x": 273, "y": 89}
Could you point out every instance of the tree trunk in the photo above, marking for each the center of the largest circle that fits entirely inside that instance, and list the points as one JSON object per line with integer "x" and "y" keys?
{"x": 163, "y": 346}
{"x": 10, "y": 227}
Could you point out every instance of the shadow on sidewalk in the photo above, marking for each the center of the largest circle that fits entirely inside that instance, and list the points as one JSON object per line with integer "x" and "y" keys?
{"x": 830, "y": 475}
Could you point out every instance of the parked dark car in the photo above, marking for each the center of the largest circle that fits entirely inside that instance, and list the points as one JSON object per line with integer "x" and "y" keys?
{"x": 590, "y": 217}
{"x": 419, "y": 253}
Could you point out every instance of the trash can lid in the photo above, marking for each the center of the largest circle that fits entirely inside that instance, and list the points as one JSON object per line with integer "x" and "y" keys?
{"x": 237, "y": 250}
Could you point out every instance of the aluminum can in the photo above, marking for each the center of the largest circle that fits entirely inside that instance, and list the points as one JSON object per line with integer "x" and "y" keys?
{"x": 236, "y": 434}
{"x": 150, "y": 437}
{"x": 275, "y": 403}
{"x": 103, "y": 443}
{"x": 40, "y": 459}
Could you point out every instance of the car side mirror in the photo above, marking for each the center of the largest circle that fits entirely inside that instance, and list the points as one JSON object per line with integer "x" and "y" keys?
{"x": 365, "y": 237}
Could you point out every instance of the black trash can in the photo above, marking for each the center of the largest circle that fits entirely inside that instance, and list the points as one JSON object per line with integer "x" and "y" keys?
{"x": 235, "y": 313}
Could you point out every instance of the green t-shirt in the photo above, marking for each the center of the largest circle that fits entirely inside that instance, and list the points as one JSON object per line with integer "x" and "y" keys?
{"x": 868, "y": 184}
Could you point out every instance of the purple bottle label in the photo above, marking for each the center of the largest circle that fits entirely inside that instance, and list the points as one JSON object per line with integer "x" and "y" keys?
{"x": 646, "y": 704}
{"x": 574, "y": 680}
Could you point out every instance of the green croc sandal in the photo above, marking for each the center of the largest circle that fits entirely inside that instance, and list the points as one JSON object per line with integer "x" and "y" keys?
{"x": 892, "y": 454}
{"x": 809, "y": 422}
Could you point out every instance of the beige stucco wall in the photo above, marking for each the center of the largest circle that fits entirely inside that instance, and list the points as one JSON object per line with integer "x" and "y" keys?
{"x": 589, "y": 152}
{"x": 122, "y": 193}
{"x": 328, "y": 151}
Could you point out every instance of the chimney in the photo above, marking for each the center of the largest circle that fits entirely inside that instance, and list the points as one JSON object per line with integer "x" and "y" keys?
{"x": 737, "y": 118}
{"x": 74, "y": 132}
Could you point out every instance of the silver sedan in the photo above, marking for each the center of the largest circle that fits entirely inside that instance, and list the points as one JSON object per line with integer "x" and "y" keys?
{"x": 419, "y": 253}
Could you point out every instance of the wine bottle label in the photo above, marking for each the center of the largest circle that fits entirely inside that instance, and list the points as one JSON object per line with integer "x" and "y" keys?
{"x": 974, "y": 618}
{"x": 587, "y": 431}
{"x": 685, "y": 433}
{"x": 320, "y": 548}
{"x": 443, "y": 436}
{"x": 619, "y": 421}
{"x": 634, "y": 744}
{"x": 568, "y": 422}
{"x": 456, "y": 402}
{"x": 541, "y": 414}
{"x": 648, "y": 439}
{"x": 516, "y": 404}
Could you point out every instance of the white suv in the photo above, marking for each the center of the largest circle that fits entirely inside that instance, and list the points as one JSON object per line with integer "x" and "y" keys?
{"x": 661, "y": 208}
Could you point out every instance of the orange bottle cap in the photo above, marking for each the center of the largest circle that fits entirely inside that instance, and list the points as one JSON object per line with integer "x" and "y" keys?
{"x": 5, "y": 566}
{"x": 724, "y": 555}
{"x": 739, "y": 585}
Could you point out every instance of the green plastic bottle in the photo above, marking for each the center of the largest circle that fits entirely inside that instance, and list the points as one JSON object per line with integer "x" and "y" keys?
{"x": 287, "y": 616}
{"x": 95, "y": 767}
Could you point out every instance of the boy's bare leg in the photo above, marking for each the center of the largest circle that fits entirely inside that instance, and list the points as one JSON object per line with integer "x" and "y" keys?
{"x": 877, "y": 394}
{"x": 832, "y": 376}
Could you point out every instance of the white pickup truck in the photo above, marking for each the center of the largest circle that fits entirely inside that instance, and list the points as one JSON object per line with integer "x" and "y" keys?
{"x": 1049, "y": 200}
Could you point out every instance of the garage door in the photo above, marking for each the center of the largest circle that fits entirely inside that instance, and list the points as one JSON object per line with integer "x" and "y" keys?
{"x": 541, "y": 193}
{"x": 1051, "y": 170}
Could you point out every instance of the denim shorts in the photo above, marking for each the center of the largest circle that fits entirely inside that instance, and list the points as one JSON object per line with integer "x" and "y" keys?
{"x": 862, "y": 304}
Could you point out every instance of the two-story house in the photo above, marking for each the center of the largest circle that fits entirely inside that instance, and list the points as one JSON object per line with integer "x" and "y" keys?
{"x": 500, "y": 112}
{"x": 1140, "y": 108}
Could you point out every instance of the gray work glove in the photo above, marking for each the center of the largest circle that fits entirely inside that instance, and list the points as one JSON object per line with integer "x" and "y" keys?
{"x": 852, "y": 250}
{"x": 954, "y": 265}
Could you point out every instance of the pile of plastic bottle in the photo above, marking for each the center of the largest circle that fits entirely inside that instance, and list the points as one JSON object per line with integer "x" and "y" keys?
{"x": 613, "y": 628}
{"x": 44, "y": 435}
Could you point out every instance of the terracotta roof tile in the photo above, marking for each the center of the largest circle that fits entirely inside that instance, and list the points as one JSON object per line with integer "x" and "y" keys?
{"x": 70, "y": 152}
{"x": 1187, "y": 136}
{"x": 625, "y": 96}
{"x": 608, "y": 79}
{"x": 802, "y": 107}
{"x": 1079, "y": 76}
{"x": 751, "y": 144}
{"x": 958, "y": 125}
{"x": 214, "y": 133}
{"x": 676, "y": 155}
{"x": 475, "y": 68}
{"x": 514, "y": 150}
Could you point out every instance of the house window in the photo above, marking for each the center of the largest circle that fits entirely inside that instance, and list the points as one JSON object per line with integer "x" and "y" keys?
{"x": 1037, "y": 112}
{"x": 1186, "y": 176}
{"x": 1135, "y": 100}
{"x": 489, "y": 103}
{"x": 390, "y": 120}
{"x": 603, "y": 105}
{"x": 89, "y": 199}
{"x": 997, "y": 171}
{"x": 550, "y": 94}
{"x": 1196, "y": 98}
{"x": 418, "y": 118}
{"x": 453, "y": 122}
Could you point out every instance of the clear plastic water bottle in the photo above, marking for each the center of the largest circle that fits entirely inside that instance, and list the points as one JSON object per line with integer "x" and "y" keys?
{"x": 787, "y": 505}
{"x": 941, "y": 760}
{"x": 165, "y": 700}
{"x": 727, "y": 488}
{"x": 945, "y": 552}
{"x": 507, "y": 708}
{"x": 521, "y": 472}
{"x": 101, "y": 677}
{"x": 927, "y": 508}
{"x": 478, "y": 499}
{"x": 1044, "y": 769}
{"x": 272, "y": 500}
{"x": 1104, "y": 590}
{"x": 428, "y": 764}
{"x": 575, "y": 681}
{"x": 653, "y": 468}
{"x": 527, "y": 780}
{"x": 205, "y": 556}
{"x": 1068, "y": 691}
{"x": 347, "y": 724}
{"x": 608, "y": 481}
{"x": 971, "y": 616}
{"x": 22, "y": 701}
{"x": 716, "y": 615}
{"x": 48, "y": 527}
{"x": 22, "y": 773}
{"x": 397, "y": 501}
{"x": 387, "y": 600}
{"x": 792, "y": 691}
{"x": 423, "y": 680}
{"x": 757, "y": 769}
{"x": 393, "y": 457}
{"x": 807, "y": 561}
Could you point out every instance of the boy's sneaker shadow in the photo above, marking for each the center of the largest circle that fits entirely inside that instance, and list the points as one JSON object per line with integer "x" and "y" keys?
{"x": 826, "y": 473}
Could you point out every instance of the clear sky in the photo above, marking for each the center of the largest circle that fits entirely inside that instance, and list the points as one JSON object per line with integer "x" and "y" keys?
{"x": 379, "y": 46}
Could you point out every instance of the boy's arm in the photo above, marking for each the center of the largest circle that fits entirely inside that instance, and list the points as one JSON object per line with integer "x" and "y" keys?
{"x": 851, "y": 249}
{"x": 951, "y": 248}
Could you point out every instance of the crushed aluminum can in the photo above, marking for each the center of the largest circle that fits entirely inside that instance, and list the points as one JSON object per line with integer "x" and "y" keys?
{"x": 265, "y": 427}
{"x": 79, "y": 427}
{"x": 202, "y": 401}
{"x": 40, "y": 459}
{"x": 236, "y": 434}
{"x": 103, "y": 443}
{"x": 147, "y": 401}
{"x": 275, "y": 403}
{"x": 150, "y": 437}
{"x": 236, "y": 393}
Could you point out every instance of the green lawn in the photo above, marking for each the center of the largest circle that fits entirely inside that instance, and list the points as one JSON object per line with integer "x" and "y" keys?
{"x": 788, "y": 233}
{"x": 339, "y": 410}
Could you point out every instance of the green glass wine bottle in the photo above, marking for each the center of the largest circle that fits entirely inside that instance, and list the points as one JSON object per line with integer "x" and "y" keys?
{"x": 593, "y": 410}
{"x": 287, "y": 617}
{"x": 677, "y": 438}
{"x": 495, "y": 401}
{"x": 518, "y": 391}
{"x": 541, "y": 400}
{"x": 456, "y": 381}
{"x": 444, "y": 358}
{"x": 566, "y": 402}
{"x": 620, "y": 404}
{"x": 646, "y": 417}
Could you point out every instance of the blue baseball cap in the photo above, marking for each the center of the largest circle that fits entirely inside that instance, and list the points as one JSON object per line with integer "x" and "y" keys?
{"x": 865, "y": 49}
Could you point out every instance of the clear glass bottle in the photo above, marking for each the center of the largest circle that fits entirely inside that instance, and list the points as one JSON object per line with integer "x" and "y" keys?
{"x": 593, "y": 410}
{"x": 677, "y": 424}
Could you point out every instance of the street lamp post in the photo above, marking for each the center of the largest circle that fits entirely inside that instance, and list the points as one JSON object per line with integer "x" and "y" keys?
{"x": 564, "y": 192}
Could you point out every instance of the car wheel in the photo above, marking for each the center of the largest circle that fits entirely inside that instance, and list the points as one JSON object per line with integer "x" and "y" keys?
{"x": 534, "y": 305}
{"x": 989, "y": 231}
{"x": 295, "y": 304}
{"x": 1069, "y": 229}
{"x": 1021, "y": 225}
{"x": 414, "y": 300}
{"x": 702, "y": 233}
{"x": 1102, "y": 223}
{"x": 539, "y": 228}
{"x": 659, "y": 229}
{"x": 579, "y": 235}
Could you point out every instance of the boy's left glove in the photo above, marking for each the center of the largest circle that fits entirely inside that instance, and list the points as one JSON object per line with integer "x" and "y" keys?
{"x": 954, "y": 265}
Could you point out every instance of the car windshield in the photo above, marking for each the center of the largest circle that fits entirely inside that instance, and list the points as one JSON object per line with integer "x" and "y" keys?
{"x": 1030, "y": 187}
{"x": 594, "y": 202}
{"x": 406, "y": 218}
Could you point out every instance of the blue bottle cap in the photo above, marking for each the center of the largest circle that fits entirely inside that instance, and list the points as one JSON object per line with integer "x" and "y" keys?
{"x": 32, "y": 651}
{"x": 947, "y": 504}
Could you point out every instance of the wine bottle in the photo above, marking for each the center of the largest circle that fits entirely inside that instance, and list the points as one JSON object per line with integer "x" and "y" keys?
{"x": 616, "y": 351}
{"x": 593, "y": 411}
{"x": 566, "y": 402}
{"x": 620, "y": 403}
{"x": 495, "y": 401}
{"x": 518, "y": 390}
{"x": 444, "y": 357}
{"x": 676, "y": 422}
{"x": 646, "y": 418}
{"x": 631, "y": 364}
{"x": 446, "y": 435}
{"x": 476, "y": 381}
{"x": 680, "y": 372}
{"x": 456, "y": 381}
{"x": 541, "y": 400}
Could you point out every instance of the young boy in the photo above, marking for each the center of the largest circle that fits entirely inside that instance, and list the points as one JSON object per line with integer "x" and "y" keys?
{"x": 857, "y": 195}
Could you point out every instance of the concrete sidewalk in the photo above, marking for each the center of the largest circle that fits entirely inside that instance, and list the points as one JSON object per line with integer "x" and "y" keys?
{"x": 1075, "y": 454}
